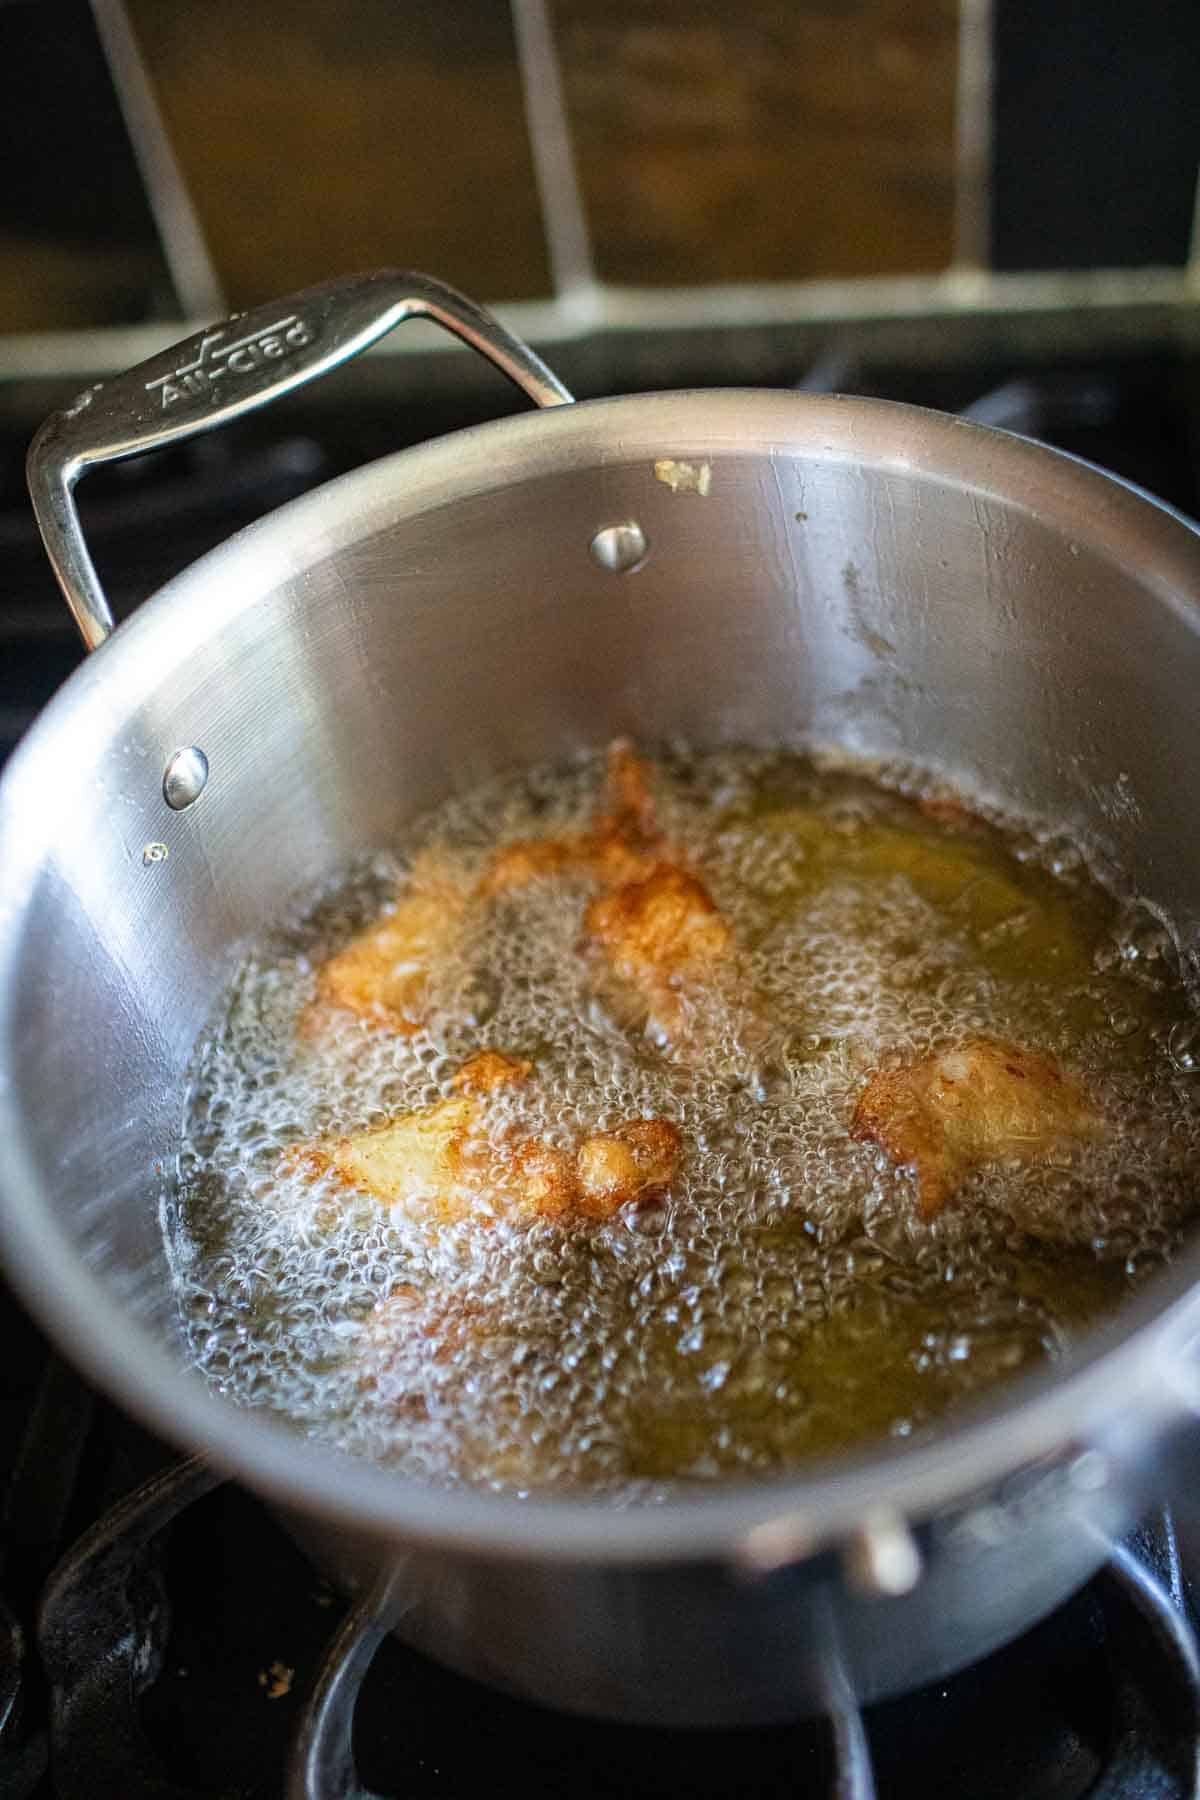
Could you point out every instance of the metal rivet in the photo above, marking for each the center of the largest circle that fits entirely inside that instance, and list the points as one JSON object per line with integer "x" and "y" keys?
{"x": 620, "y": 548}
{"x": 154, "y": 853}
{"x": 883, "y": 1558}
{"x": 184, "y": 778}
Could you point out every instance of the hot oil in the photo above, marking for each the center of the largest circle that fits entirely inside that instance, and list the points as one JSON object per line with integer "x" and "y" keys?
{"x": 785, "y": 1298}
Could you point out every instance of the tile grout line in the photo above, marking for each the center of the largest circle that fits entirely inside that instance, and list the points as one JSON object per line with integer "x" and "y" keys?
{"x": 870, "y": 302}
{"x": 184, "y": 246}
{"x": 973, "y": 139}
{"x": 564, "y": 216}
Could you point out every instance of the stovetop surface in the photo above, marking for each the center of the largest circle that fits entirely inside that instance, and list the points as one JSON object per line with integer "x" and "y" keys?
{"x": 185, "y": 1645}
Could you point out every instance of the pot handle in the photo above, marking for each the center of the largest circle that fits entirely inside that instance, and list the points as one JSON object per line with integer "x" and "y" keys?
{"x": 231, "y": 369}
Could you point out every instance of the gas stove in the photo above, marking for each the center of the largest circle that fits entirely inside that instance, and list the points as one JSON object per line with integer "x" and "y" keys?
{"x": 159, "y": 1634}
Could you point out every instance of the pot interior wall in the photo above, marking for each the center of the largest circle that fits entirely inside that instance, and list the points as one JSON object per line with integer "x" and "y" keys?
{"x": 854, "y": 575}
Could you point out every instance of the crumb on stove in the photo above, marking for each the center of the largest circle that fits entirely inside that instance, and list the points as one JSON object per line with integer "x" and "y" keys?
{"x": 277, "y": 1680}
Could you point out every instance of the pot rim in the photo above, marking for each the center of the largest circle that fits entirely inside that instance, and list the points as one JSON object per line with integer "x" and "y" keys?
{"x": 1124, "y": 1367}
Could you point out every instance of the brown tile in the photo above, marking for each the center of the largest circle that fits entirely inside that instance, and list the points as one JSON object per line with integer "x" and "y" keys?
{"x": 318, "y": 138}
{"x": 763, "y": 140}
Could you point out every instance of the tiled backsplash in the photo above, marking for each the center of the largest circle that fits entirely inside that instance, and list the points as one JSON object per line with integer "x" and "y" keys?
{"x": 763, "y": 141}
{"x": 713, "y": 143}
{"x": 318, "y": 137}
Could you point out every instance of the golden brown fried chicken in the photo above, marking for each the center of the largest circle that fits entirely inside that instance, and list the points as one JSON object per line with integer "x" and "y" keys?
{"x": 951, "y": 1111}
{"x": 629, "y": 810}
{"x": 666, "y": 920}
{"x": 603, "y": 1173}
{"x": 614, "y": 1167}
{"x": 671, "y": 961}
{"x": 489, "y": 1069}
{"x": 383, "y": 975}
{"x": 417, "y": 1161}
{"x": 437, "y": 1163}
{"x": 533, "y": 859}
{"x": 430, "y": 1162}
{"x": 655, "y": 922}
{"x": 538, "y": 1177}
{"x": 665, "y": 944}
{"x": 621, "y": 844}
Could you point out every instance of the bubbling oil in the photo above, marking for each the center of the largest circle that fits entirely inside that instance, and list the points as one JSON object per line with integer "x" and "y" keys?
{"x": 784, "y": 1299}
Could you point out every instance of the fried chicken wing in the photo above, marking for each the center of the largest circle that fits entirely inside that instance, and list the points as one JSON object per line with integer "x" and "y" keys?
{"x": 417, "y": 1161}
{"x": 629, "y": 810}
{"x": 665, "y": 944}
{"x": 622, "y": 842}
{"x": 437, "y": 1163}
{"x": 668, "y": 920}
{"x": 383, "y": 975}
{"x": 528, "y": 860}
{"x": 539, "y": 1178}
{"x": 605, "y": 1172}
{"x": 489, "y": 1069}
{"x": 430, "y": 1162}
{"x": 949, "y": 1112}
{"x": 614, "y": 1167}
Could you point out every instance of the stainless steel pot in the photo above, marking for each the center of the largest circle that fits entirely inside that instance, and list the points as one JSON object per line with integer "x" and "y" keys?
{"x": 716, "y": 566}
